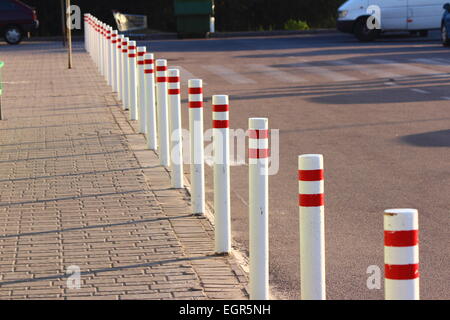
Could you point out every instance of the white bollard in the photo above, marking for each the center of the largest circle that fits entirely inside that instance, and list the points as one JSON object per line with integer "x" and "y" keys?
{"x": 312, "y": 234}
{"x": 119, "y": 68}
{"x": 105, "y": 52}
{"x": 258, "y": 154}
{"x": 132, "y": 87}
{"x": 163, "y": 112}
{"x": 85, "y": 28}
{"x": 125, "y": 76}
{"x": 176, "y": 143}
{"x": 221, "y": 147}
{"x": 100, "y": 58}
{"x": 114, "y": 39}
{"x": 141, "y": 89}
{"x": 109, "y": 54}
{"x": 150, "y": 106}
{"x": 197, "y": 166}
{"x": 401, "y": 254}
{"x": 99, "y": 46}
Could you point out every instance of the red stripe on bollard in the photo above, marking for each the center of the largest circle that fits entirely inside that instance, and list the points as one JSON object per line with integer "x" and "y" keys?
{"x": 161, "y": 68}
{"x": 220, "y": 124}
{"x": 311, "y": 200}
{"x": 196, "y": 104}
{"x": 310, "y": 175}
{"x": 148, "y": 61}
{"x": 131, "y": 55}
{"x": 173, "y": 79}
{"x": 161, "y": 79}
{"x": 258, "y": 134}
{"x": 401, "y": 272}
{"x": 258, "y": 153}
{"x": 401, "y": 238}
{"x": 148, "y": 71}
{"x": 221, "y": 108}
{"x": 174, "y": 91}
{"x": 195, "y": 90}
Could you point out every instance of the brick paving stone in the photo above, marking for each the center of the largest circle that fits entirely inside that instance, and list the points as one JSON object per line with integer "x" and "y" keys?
{"x": 79, "y": 188}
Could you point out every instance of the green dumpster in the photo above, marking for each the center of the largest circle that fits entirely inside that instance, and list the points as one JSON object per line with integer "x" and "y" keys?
{"x": 193, "y": 17}
{"x": 1, "y": 88}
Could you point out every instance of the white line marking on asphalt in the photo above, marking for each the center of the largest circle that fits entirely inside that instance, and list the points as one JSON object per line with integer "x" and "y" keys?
{"x": 368, "y": 70}
{"x": 323, "y": 72}
{"x": 419, "y": 90}
{"x": 228, "y": 74}
{"x": 404, "y": 66}
{"x": 281, "y": 76}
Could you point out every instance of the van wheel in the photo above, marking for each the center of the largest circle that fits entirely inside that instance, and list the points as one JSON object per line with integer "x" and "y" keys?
{"x": 363, "y": 33}
{"x": 445, "y": 39}
{"x": 13, "y": 35}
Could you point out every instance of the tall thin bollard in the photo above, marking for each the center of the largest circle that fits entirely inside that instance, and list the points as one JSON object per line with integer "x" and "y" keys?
{"x": 150, "y": 106}
{"x": 312, "y": 234}
{"x": 132, "y": 87}
{"x": 85, "y": 28}
{"x": 125, "y": 76}
{"x": 119, "y": 66}
{"x": 221, "y": 146}
{"x": 114, "y": 39}
{"x": 163, "y": 112}
{"x": 141, "y": 89}
{"x": 176, "y": 143}
{"x": 258, "y": 154}
{"x": 196, "y": 146}
{"x": 401, "y": 254}
{"x": 109, "y": 54}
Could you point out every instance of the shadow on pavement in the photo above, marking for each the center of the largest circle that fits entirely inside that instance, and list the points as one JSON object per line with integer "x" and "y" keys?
{"x": 429, "y": 139}
{"x": 118, "y": 268}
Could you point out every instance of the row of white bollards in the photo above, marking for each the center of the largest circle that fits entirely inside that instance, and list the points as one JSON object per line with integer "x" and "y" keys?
{"x": 152, "y": 93}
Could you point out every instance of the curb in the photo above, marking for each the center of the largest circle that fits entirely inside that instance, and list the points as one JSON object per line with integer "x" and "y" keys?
{"x": 216, "y": 35}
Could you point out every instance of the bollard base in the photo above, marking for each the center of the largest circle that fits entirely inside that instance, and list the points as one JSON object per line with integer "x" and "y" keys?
{"x": 222, "y": 254}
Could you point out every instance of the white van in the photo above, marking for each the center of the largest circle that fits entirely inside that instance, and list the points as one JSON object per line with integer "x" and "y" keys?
{"x": 391, "y": 15}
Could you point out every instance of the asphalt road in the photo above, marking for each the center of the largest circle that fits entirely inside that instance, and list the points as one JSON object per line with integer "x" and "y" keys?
{"x": 378, "y": 112}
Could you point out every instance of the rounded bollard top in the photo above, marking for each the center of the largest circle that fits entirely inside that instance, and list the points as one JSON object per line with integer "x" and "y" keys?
{"x": 401, "y": 219}
{"x": 258, "y": 123}
{"x": 173, "y": 73}
{"x": 310, "y": 162}
{"x": 141, "y": 49}
{"x": 220, "y": 99}
{"x": 195, "y": 83}
{"x": 148, "y": 56}
{"x": 161, "y": 62}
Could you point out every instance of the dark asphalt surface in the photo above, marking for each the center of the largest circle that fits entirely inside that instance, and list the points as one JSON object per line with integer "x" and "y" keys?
{"x": 378, "y": 112}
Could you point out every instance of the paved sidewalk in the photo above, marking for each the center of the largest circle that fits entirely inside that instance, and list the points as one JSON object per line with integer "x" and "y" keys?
{"x": 79, "y": 188}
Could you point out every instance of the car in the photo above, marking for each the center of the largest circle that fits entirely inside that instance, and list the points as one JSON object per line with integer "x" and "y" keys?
{"x": 414, "y": 16}
{"x": 445, "y": 26}
{"x": 16, "y": 19}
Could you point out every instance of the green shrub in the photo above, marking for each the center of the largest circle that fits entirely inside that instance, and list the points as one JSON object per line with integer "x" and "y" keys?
{"x": 292, "y": 24}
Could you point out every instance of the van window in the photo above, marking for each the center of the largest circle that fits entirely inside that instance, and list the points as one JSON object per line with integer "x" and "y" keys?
{"x": 7, "y": 5}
